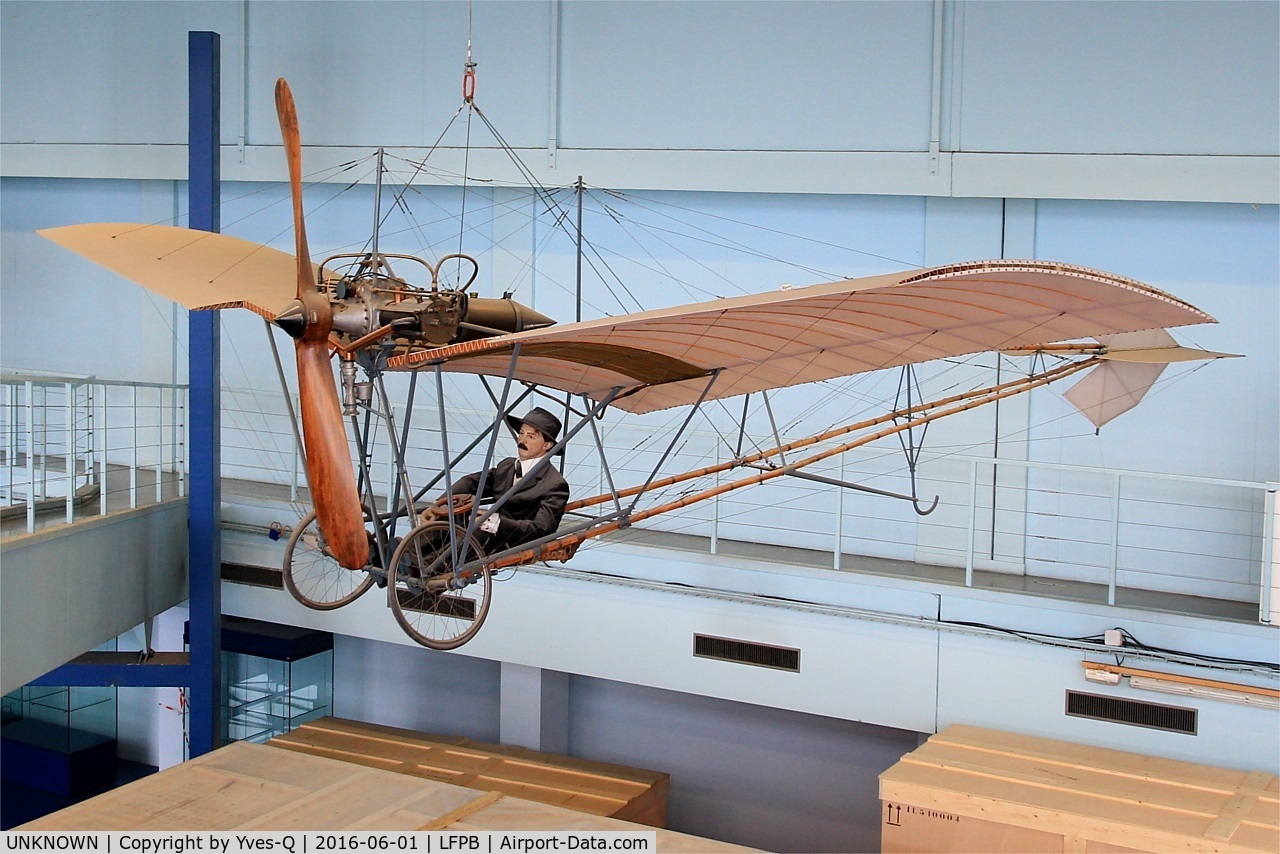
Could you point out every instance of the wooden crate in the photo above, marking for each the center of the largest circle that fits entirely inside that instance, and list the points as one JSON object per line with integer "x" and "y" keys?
{"x": 971, "y": 789}
{"x": 247, "y": 786}
{"x": 597, "y": 788}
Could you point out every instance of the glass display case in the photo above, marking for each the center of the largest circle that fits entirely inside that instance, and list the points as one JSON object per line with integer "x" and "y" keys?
{"x": 274, "y": 678}
{"x": 59, "y": 739}
{"x": 263, "y": 697}
{"x": 63, "y": 717}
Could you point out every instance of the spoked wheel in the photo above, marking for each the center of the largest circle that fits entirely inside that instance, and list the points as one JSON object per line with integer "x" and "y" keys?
{"x": 312, "y": 574}
{"x": 435, "y": 608}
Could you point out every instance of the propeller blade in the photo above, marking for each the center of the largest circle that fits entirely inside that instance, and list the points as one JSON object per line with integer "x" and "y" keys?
{"x": 292, "y": 136}
{"x": 308, "y": 321}
{"x": 329, "y": 472}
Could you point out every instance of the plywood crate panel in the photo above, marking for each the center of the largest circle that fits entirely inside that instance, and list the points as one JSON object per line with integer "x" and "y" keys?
{"x": 597, "y": 788}
{"x": 970, "y": 789}
{"x": 247, "y": 786}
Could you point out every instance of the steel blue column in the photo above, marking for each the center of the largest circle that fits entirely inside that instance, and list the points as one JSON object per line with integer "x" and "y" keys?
{"x": 204, "y": 564}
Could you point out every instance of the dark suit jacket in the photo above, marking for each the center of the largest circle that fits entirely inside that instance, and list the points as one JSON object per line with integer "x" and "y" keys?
{"x": 534, "y": 509}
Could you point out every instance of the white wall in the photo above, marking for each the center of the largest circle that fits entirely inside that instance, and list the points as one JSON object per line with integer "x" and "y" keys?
{"x": 151, "y": 722}
{"x": 415, "y": 688}
{"x": 1159, "y": 100}
{"x": 135, "y": 335}
{"x": 64, "y": 595}
{"x": 757, "y": 776}
{"x": 877, "y": 650}
{"x": 766, "y": 777}
{"x": 1117, "y": 77}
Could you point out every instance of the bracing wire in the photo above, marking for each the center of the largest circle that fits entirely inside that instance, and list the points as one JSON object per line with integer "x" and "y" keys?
{"x": 659, "y": 203}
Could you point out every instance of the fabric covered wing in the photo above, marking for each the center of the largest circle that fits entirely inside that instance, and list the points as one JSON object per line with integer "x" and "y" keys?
{"x": 197, "y": 269}
{"x": 663, "y": 358}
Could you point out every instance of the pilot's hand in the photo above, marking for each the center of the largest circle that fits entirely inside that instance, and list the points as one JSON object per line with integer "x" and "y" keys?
{"x": 442, "y": 509}
{"x": 490, "y": 525}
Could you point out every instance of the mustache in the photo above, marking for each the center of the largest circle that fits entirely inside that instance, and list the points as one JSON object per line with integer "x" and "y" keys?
{"x": 522, "y": 446}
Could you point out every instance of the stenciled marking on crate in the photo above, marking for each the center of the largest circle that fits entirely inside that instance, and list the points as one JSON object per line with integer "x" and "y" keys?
{"x": 893, "y": 814}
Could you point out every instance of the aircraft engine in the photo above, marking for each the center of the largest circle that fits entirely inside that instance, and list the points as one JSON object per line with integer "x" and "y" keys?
{"x": 368, "y": 301}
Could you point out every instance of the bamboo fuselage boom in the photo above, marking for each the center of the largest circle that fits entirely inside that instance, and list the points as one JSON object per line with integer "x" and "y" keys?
{"x": 918, "y": 415}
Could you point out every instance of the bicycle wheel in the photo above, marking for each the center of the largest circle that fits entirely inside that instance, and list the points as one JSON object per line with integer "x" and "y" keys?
{"x": 313, "y": 576}
{"x": 435, "y": 608}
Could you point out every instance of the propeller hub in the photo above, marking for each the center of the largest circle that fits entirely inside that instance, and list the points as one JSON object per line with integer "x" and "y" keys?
{"x": 308, "y": 318}
{"x": 293, "y": 319}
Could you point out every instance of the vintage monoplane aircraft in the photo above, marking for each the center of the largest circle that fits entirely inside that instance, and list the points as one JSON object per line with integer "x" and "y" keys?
{"x": 355, "y": 307}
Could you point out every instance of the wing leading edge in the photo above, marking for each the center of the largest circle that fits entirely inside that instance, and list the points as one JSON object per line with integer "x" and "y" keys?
{"x": 661, "y": 358}
{"x": 197, "y": 269}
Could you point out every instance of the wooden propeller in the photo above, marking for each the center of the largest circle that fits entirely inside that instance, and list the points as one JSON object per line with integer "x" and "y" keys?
{"x": 308, "y": 321}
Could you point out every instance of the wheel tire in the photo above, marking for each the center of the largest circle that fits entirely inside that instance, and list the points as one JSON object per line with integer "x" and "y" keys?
{"x": 313, "y": 577}
{"x": 428, "y": 611}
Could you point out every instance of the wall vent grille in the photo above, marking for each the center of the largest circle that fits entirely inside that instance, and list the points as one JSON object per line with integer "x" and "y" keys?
{"x": 258, "y": 576}
{"x": 747, "y": 652}
{"x": 1132, "y": 712}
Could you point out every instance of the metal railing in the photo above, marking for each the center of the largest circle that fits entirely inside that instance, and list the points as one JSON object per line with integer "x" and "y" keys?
{"x": 1120, "y": 529}
{"x": 1192, "y": 535}
{"x": 70, "y": 442}
{"x": 78, "y": 442}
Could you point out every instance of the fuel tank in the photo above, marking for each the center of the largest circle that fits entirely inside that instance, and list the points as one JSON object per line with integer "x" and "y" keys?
{"x": 485, "y": 317}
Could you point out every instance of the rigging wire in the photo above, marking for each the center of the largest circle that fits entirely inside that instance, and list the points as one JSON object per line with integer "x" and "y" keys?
{"x": 660, "y": 203}
{"x": 659, "y": 267}
{"x": 722, "y": 243}
{"x": 562, "y": 216}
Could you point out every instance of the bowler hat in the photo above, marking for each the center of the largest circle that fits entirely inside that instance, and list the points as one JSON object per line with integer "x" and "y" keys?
{"x": 539, "y": 419}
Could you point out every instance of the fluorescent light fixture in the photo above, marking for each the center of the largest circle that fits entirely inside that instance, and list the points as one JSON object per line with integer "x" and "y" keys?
{"x": 1185, "y": 686}
{"x": 1204, "y": 692}
{"x": 1102, "y": 677}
